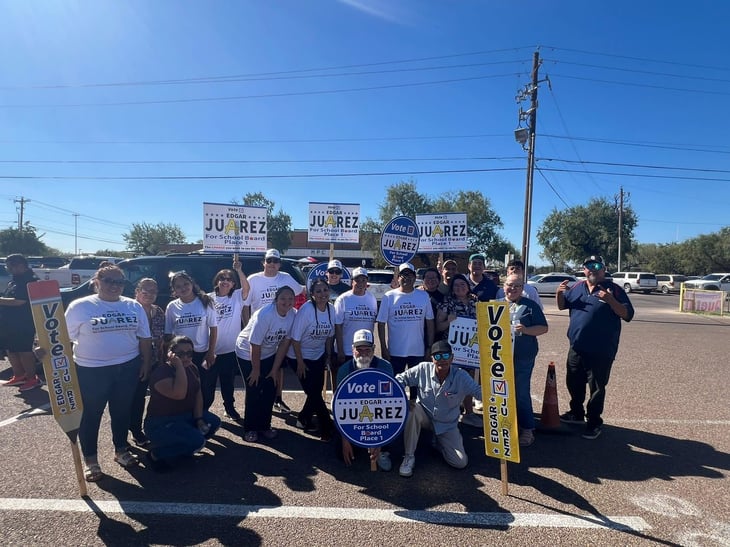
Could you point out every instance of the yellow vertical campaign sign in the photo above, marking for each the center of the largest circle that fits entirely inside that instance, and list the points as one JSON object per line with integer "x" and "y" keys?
{"x": 63, "y": 385}
{"x": 498, "y": 381}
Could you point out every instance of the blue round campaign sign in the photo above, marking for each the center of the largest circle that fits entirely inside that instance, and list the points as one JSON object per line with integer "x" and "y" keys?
{"x": 399, "y": 240}
{"x": 320, "y": 270}
{"x": 370, "y": 408}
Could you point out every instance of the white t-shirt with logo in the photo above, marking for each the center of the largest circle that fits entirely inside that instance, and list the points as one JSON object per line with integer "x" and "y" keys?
{"x": 106, "y": 333}
{"x": 228, "y": 309}
{"x": 192, "y": 320}
{"x": 406, "y": 315}
{"x": 263, "y": 289}
{"x": 354, "y": 313}
{"x": 267, "y": 329}
{"x": 311, "y": 329}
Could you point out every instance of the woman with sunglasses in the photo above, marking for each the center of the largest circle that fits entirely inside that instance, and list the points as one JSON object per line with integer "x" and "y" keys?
{"x": 192, "y": 314}
{"x": 260, "y": 351}
{"x": 312, "y": 341}
{"x": 227, "y": 298}
{"x": 112, "y": 349}
{"x": 176, "y": 423}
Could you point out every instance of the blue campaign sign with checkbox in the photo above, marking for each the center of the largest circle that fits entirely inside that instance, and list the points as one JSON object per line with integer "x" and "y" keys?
{"x": 370, "y": 408}
{"x": 399, "y": 240}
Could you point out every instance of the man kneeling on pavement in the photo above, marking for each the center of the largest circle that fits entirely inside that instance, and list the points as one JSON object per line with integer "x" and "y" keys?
{"x": 364, "y": 357}
{"x": 441, "y": 388}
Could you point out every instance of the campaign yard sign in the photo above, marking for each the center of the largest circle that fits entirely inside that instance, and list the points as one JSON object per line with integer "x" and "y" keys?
{"x": 399, "y": 240}
{"x": 498, "y": 381}
{"x": 334, "y": 222}
{"x": 234, "y": 228}
{"x": 464, "y": 342}
{"x": 370, "y": 408}
{"x": 50, "y": 326}
{"x": 441, "y": 232}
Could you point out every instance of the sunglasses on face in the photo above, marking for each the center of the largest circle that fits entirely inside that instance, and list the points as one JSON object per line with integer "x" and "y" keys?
{"x": 272, "y": 260}
{"x": 445, "y": 356}
{"x": 184, "y": 353}
{"x": 595, "y": 266}
{"x": 111, "y": 281}
{"x": 225, "y": 279}
{"x": 336, "y": 272}
{"x": 513, "y": 285}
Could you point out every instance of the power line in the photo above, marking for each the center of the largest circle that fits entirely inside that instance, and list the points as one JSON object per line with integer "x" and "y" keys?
{"x": 636, "y": 84}
{"x": 637, "y": 71}
{"x": 258, "y": 96}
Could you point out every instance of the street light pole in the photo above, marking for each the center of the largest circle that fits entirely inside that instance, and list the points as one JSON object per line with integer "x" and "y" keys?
{"x": 76, "y": 234}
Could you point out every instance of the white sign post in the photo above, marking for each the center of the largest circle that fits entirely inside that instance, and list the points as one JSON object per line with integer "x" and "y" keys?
{"x": 234, "y": 228}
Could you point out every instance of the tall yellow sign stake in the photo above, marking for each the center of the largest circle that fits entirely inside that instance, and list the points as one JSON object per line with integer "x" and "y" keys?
{"x": 63, "y": 385}
{"x": 496, "y": 365}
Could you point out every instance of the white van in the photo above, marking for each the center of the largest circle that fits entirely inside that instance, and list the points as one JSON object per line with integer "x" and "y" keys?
{"x": 636, "y": 281}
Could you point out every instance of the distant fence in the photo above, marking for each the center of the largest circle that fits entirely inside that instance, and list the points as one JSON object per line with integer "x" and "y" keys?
{"x": 699, "y": 301}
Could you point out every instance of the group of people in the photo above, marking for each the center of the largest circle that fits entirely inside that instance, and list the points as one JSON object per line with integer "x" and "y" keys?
{"x": 124, "y": 347}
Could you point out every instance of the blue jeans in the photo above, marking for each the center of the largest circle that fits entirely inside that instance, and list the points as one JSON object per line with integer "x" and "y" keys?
{"x": 113, "y": 384}
{"x": 523, "y": 376}
{"x": 176, "y": 436}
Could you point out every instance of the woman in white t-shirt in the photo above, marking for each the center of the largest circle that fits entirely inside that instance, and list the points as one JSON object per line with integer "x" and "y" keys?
{"x": 112, "y": 349}
{"x": 227, "y": 297}
{"x": 260, "y": 352}
{"x": 310, "y": 352}
{"x": 192, "y": 314}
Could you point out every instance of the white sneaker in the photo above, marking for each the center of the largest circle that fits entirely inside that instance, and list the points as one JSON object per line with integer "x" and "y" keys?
{"x": 384, "y": 462}
{"x": 406, "y": 468}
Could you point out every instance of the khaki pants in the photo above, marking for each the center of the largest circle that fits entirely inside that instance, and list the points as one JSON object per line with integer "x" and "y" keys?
{"x": 449, "y": 443}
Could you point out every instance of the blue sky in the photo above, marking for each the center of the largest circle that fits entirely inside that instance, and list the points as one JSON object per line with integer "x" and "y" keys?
{"x": 314, "y": 100}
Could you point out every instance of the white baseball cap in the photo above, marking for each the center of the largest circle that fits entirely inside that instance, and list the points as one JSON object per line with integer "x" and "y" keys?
{"x": 406, "y": 266}
{"x": 359, "y": 271}
{"x": 362, "y": 337}
{"x": 272, "y": 253}
{"x": 334, "y": 264}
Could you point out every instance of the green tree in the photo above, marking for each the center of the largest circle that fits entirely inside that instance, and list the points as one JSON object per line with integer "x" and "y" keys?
{"x": 24, "y": 241}
{"x": 570, "y": 235}
{"x": 404, "y": 199}
{"x": 150, "y": 239}
{"x": 278, "y": 224}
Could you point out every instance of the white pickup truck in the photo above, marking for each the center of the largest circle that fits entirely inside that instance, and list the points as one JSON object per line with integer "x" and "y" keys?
{"x": 80, "y": 269}
{"x": 711, "y": 282}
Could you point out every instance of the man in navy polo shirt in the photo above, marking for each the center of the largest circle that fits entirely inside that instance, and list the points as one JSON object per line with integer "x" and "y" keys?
{"x": 596, "y": 309}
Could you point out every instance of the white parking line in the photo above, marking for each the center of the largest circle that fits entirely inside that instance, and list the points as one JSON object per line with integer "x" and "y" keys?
{"x": 534, "y": 520}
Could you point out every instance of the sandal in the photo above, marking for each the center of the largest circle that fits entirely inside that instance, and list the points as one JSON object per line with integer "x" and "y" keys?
{"x": 251, "y": 436}
{"x": 126, "y": 459}
{"x": 92, "y": 472}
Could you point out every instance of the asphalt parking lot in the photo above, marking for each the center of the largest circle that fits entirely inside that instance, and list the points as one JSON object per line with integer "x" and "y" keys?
{"x": 657, "y": 475}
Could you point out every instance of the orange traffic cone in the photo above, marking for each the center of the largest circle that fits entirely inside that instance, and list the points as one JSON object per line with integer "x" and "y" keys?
{"x": 550, "y": 416}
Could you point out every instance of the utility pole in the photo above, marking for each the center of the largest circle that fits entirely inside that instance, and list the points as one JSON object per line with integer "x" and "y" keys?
{"x": 22, "y": 202}
{"x": 76, "y": 234}
{"x": 620, "y": 224}
{"x": 526, "y": 137}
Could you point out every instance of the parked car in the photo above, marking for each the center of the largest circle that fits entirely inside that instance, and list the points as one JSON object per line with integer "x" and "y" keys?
{"x": 202, "y": 267}
{"x": 669, "y": 283}
{"x": 711, "y": 282}
{"x": 5, "y": 278}
{"x": 548, "y": 283}
{"x": 379, "y": 282}
{"x": 636, "y": 281}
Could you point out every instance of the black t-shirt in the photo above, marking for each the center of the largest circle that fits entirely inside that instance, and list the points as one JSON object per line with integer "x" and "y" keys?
{"x": 19, "y": 317}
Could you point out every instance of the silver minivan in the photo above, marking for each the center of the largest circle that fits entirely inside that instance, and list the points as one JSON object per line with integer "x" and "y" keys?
{"x": 636, "y": 281}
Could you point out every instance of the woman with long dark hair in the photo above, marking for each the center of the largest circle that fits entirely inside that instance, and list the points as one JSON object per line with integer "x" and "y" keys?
{"x": 310, "y": 352}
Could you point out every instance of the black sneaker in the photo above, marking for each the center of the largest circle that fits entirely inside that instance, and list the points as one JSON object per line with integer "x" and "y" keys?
{"x": 570, "y": 418}
{"x": 592, "y": 432}
{"x": 140, "y": 439}
{"x": 281, "y": 406}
